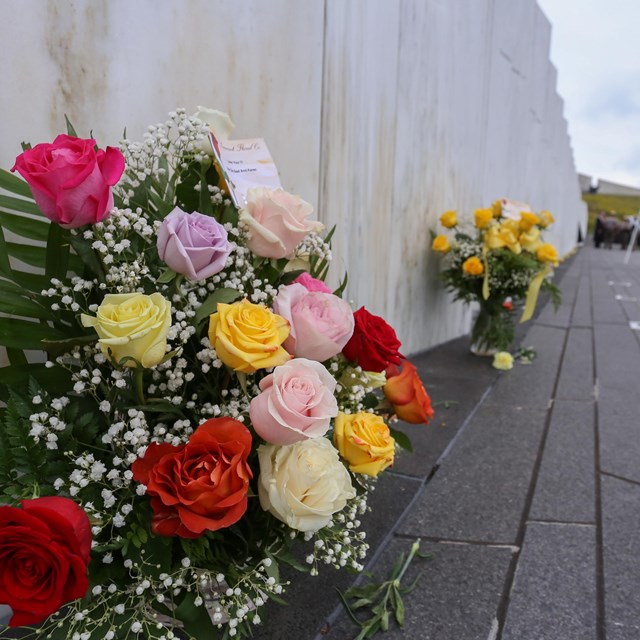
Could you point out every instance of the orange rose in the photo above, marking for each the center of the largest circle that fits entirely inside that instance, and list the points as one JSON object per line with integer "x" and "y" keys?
{"x": 199, "y": 486}
{"x": 405, "y": 391}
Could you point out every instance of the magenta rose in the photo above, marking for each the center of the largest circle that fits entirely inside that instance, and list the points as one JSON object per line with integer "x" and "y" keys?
{"x": 296, "y": 403}
{"x": 193, "y": 244}
{"x": 312, "y": 284}
{"x": 70, "y": 180}
{"x": 44, "y": 552}
{"x": 277, "y": 222}
{"x": 321, "y": 323}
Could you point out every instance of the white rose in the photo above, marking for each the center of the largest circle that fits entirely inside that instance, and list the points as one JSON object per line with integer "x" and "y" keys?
{"x": 219, "y": 122}
{"x": 303, "y": 484}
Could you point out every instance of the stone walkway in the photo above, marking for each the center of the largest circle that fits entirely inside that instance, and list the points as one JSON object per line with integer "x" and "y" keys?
{"x": 526, "y": 489}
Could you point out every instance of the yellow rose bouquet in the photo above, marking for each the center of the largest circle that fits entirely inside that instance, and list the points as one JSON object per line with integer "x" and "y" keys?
{"x": 184, "y": 398}
{"x": 497, "y": 261}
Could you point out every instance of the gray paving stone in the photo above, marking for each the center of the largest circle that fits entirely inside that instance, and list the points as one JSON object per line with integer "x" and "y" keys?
{"x": 619, "y": 430}
{"x": 576, "y": 375}
{"x": 617, "y": 357}
{"x": 565, "y": 489}
{"x": 582, "y": 308}
{"x": 631, "y": 309}
{"x": 560, "y": 317}
{"x": 554, "y": 589}
{"x": 532, "y": 385}
{"x": 453, "y": 358}
{"x": 608, "y": 311}
{"x": 480, "y": 490}
{"x": 456, "y": 598}
{"x": 311, "y": 599}
{"x": 461, "y": 395}
{"x": 621, "y": 523}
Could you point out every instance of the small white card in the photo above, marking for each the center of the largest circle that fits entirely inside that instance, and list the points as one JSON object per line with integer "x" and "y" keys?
{"x": 512, "y": 208}
{"x": 245, "y": 164}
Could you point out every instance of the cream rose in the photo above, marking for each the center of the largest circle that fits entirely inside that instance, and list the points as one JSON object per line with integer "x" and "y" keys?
{"x": 277, "y": 222}
{"x": 219, "y": 122}
{"x": 303, "y": 484}
{"x": 132, "y": 325}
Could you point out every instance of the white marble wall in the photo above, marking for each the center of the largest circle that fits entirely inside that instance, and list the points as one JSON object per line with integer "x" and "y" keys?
{"x": 384, "y": 113}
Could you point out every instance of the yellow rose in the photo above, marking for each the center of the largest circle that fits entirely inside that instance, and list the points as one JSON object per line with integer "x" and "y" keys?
{"x": 492, "y": 239}
{"x": 248, "y": 336}
{"x": 364, "y": 441}
{"x": 503, "y": 360}
{"x": 547, "y": 253}
{"x": 496, "y": 208}
{"x": 528, "y": 220}
{"x": 473, "y": 266}
{"x": 132, "y": 325}
{"x": 483, "y": 217}
{"x": 441, "y": 244}
{"x": 546, "y": 218}
{"x": 530, "y": 240}
{"x": 508, "y": 233}
{"x": 449, "y": 219}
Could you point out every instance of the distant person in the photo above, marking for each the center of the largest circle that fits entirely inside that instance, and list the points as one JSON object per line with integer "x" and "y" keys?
{"x": 624, "y": 233}
{"x": 610, "y": 227}
{"x": 598, "y": 232}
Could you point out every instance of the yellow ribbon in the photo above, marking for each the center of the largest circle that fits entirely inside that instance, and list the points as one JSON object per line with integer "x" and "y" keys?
{"x": 485, "y": 282}
{"x": 532, "y": 294}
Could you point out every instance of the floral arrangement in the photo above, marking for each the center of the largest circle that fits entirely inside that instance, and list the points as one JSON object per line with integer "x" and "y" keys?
{"x": 185, "y": 398}
{"x": 499, "y": 261}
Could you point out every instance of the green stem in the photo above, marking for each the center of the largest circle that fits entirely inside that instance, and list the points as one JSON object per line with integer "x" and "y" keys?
{"x": 414, "y": 549}
{"x": 138, "y": 377}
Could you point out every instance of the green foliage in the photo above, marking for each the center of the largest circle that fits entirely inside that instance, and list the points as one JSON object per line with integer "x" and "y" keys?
{"x": 381, "y": 600}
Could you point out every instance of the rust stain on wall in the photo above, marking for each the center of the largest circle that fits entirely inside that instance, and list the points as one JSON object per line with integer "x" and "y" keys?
{"x": 77, "y": 43}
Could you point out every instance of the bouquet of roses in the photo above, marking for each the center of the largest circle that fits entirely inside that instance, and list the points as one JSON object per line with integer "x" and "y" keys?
{"x": 499, "y": 261}
{"x": 185, "y": 397}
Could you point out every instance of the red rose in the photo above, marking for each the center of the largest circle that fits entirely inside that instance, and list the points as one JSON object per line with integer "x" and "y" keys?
{"x": 44, "y": 553}
{"x": 199, "y": 486}
{"x": 374, "y": 344}
{"x": 71, "y": 181}
{"x": 407, "y": 394}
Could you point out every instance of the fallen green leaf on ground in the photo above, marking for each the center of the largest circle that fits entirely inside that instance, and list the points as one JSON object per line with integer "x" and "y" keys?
{"x": 381, "y": 600}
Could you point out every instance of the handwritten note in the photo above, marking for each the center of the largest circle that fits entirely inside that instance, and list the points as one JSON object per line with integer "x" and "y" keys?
{"x": 245, "y": 164}
{"x": 512, "y": 208}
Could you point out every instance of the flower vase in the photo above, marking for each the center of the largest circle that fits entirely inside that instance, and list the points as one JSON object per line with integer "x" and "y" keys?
{"x": 492, "y": 329}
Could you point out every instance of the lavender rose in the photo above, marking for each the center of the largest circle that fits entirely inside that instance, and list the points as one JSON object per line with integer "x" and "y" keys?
{"x": 321, "y": 323}
{"x": 296, "y": 402}
{"x": 193, "y": 244}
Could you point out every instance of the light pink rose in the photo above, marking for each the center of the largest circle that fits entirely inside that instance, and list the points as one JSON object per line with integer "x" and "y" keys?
{"x": 71, "y": 181}
{"x": 193, "y": 244}
{"x": 321, "y": 323}
{"x": 312, "y": 284}
{"x": 296, "y": 402}
{"x": 277, "y": 222}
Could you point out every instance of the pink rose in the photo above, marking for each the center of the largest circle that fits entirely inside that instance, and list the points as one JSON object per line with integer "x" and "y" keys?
{"x": 321, "y": 323}
{"x": 312, "y": 284}
{"x": 193, "y": 244}
{"x": 296, "y": 403}
{"x": 277, "y": 222}
{"x": 71, "y": 181}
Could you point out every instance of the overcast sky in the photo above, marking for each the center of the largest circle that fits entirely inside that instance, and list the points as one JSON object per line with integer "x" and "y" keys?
{"x": 595, "y": 45}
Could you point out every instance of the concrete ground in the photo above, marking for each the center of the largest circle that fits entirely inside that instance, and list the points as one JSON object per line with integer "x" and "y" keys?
{"x": 525, "y": 487}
